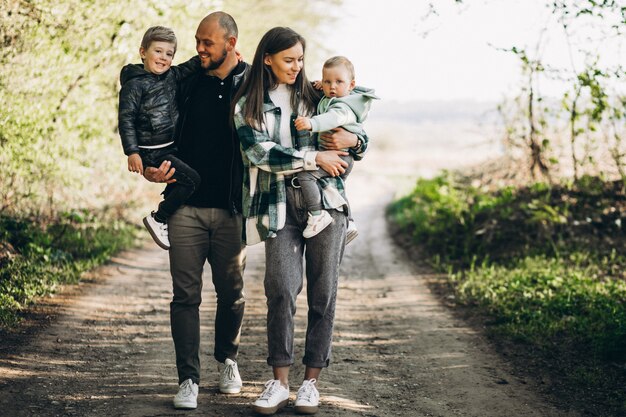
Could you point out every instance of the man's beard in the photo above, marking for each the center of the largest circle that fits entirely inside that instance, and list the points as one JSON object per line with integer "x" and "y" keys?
{"x": 215, "y": 64}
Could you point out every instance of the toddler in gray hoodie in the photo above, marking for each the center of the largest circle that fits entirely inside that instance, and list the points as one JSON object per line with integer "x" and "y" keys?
{"x": 343, "y": 105}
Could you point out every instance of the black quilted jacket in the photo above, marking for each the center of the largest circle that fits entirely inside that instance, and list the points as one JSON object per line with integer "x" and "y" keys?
{"x": 147, "y": 108}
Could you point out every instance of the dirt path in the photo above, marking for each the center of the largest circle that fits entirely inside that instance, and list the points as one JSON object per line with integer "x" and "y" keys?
{"x": 397, "y": 351}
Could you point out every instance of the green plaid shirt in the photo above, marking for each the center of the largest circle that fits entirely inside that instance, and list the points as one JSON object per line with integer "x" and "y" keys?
{"x": 266, "y": 162}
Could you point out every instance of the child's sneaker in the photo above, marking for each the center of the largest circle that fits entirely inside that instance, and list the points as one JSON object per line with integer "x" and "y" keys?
{"x": 315, "y": 224}
{"x": 351, "y": 233}
{"x": 158, "y": 231}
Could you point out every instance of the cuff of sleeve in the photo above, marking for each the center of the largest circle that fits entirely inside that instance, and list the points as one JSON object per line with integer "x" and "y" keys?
{"x": 309, "y": 161}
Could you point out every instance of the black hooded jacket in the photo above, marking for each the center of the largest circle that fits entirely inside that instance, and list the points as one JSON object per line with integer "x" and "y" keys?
{"x": 148, "y": 110}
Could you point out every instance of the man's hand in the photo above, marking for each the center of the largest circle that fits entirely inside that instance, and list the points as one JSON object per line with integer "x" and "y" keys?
{"x": 302, "y": 123}
{"x": 134, "y": 163}
{"x": 238, "y": 55}
{"x": 338, "y": 138}
{"x": 161, "y": 174}
{"x": 317, "y": 84}
{"x": 331, "y": 162}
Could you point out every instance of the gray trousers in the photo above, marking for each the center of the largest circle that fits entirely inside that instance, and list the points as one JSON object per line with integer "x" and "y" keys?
{"x": 284, "y": 272}
{"x": 198, "y": 235}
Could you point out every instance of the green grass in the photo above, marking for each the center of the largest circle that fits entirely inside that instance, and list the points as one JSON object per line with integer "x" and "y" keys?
{"x": 545, "y": 264}
{"x": 537, "y": 299}
{"x": 45, "y": 256}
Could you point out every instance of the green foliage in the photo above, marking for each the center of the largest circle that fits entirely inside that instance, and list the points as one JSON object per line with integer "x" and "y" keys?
{"x": 544, "y": 263}
{"x": 539, "y": 299}
{"x": 463, "y": 225}
{"x": 41, "y": 258}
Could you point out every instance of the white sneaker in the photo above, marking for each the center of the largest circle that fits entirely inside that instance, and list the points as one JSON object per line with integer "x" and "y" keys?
{"x": 158, "y": 231}
{"x": 273, "y": 398}
{"x": 187, "y": 396}
{"x": 351, "y": 233}
{"x": 230, "y": 381}
{"x": 308, "y": 398}
{"x": 316, "y": 224}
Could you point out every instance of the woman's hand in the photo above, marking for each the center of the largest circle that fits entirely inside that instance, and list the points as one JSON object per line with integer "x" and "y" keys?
{"x": 338, "y": 138}
{"x": 331, "y": 162}
{"x": 161, "y": 174}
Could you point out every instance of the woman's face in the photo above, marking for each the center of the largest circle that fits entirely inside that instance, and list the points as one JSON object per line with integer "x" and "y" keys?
{"x": 286, "y": 64}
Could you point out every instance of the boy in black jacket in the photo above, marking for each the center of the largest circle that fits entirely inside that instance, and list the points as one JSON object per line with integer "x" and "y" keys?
{"x": 147, "y": 118}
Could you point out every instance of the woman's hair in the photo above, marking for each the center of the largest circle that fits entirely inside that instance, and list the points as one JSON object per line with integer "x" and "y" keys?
{"x": 261, "y": 78}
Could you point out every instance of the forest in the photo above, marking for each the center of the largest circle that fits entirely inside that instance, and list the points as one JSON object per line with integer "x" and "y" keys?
{"x": 534, "y": 242}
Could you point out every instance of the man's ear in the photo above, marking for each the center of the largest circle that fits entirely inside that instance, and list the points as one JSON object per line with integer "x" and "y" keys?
{"x": 231, "y": 43}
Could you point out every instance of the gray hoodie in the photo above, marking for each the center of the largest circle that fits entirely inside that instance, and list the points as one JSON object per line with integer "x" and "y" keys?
{"x": 348, "y": 111}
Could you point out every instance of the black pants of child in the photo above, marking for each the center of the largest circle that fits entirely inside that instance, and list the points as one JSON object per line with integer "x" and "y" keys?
{"x": 176, "y": 193}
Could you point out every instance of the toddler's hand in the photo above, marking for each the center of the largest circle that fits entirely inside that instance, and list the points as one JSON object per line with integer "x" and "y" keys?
{"x": 135, "y": 164}
{"x": 302, "y": 123}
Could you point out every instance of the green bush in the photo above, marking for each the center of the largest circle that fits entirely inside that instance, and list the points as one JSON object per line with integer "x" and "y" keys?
{"x": 43, "y": 257}
{"x": 463, "y": 225}
{"x": 544, "y": 264}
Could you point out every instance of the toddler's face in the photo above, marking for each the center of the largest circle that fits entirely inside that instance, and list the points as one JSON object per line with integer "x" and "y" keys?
{"x": 158, "y": 57}
{"x": 336, "y": 81}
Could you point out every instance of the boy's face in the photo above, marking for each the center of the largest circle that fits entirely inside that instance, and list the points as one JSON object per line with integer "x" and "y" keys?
{"x": 158, "y": 57}
{"x": 336, "y": 81}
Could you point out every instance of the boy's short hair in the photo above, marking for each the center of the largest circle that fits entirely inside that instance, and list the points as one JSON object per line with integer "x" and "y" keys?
{"x": 158, "y": 34}
{"x": 340, "y": 60}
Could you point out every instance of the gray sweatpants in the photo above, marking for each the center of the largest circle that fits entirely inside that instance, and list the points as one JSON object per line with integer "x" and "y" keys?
{"x": 198, "y": 235}
{"x": 284, "y": 255}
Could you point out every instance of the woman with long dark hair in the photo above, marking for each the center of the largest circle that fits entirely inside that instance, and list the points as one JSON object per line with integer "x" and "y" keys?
{"x": 274, "y": 94}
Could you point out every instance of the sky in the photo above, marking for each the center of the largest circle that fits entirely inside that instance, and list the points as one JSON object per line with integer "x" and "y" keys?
{"x": 451, "y": 55}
